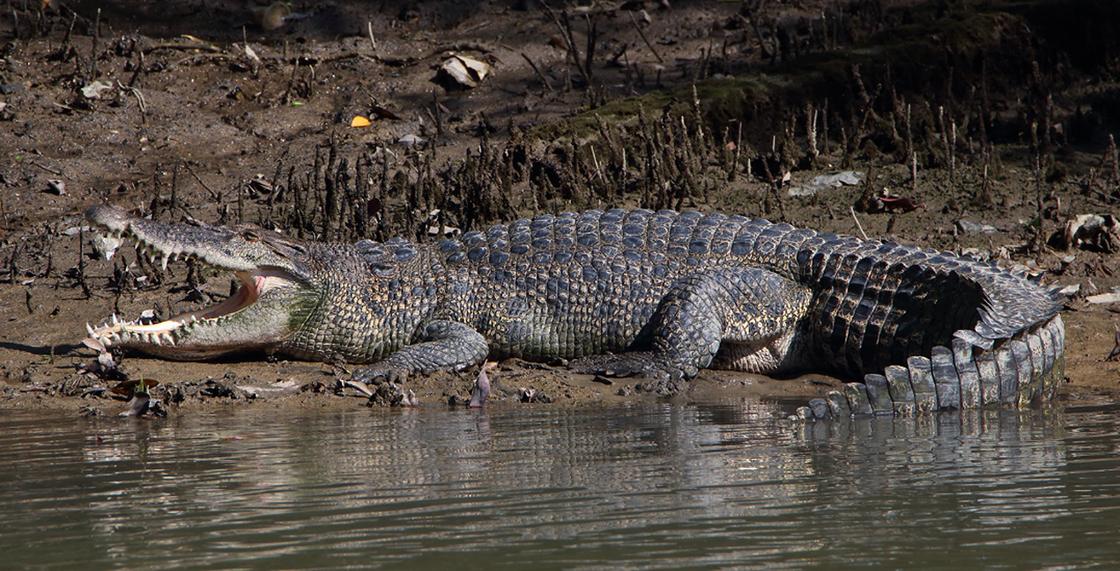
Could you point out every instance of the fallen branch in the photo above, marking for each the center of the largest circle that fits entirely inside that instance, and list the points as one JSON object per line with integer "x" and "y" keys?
{"x": 645, "y": 39}
{"x": 537, "y": 70}
{"x": 852, "y": 209}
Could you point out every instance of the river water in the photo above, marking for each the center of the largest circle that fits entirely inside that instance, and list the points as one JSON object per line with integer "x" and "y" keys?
{"x": 662, "y": 486}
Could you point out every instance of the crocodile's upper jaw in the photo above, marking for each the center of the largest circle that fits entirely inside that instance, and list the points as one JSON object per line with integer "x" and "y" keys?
{"x": 258, "y": 316}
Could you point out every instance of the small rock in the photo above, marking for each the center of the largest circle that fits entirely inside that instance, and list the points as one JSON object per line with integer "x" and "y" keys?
{"x": 138, "y": 405}
{"x": 1100, "y": 298}
{"x": 969, "y": 227}
{"x": 411, "y": 140}
{"x": 57, "y": 187}
{"x": 1070, "y": 290}
{"x": 827, "y": 181}
{"x": 461, "y": 72}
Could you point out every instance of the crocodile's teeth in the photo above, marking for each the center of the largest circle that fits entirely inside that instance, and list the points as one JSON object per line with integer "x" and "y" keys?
{"x": 167, "y": 338}
{"x": 116, "y": 320}
{"x": 89, "y": 329}
{"x": 163, "y": 262}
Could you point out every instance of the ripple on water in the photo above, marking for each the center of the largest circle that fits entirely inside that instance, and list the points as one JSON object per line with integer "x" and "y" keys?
{"x": 642, "y": 486}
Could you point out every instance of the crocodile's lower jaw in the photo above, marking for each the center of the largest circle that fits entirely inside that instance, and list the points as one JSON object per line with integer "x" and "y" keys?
{"x": 233, "y": 325}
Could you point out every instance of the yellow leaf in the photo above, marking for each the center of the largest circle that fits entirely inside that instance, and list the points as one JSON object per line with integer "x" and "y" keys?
{"x": 359, "y": 121}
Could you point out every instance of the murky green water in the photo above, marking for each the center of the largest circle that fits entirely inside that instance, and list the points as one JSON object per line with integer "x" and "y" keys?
{"x": 543, "y": 487}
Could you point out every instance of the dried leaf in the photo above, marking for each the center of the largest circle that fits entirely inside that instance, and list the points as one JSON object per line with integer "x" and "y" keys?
{"x": 359, "y": 121}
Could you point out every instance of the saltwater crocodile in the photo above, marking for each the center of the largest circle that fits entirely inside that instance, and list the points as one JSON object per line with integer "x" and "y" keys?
{"x": 623, "y": 292}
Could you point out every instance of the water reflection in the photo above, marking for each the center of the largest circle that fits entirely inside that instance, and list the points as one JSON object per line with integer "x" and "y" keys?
{"x": 658, "y": 485}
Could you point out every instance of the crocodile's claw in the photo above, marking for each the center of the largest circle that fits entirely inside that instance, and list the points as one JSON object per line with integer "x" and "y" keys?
{"x": 379, "y": 374}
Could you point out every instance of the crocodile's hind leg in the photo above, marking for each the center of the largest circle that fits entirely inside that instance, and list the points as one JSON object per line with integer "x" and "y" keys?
{"x": 748, "y": 310}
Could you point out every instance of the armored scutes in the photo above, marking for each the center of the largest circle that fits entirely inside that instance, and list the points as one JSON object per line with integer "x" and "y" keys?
{"x": 623, "y": 292}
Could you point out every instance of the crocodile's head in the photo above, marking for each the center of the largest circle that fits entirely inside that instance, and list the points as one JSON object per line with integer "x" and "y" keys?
{"x": 268, "y": 307}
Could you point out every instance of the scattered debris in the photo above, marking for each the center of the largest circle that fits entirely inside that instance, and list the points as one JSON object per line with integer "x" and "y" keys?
{"x": 892, "y": 204}
{"x": 411, "y": 140}
{"x": 141, "y": 403}
{"x": 57, "y": 187}
{"x": 461, "y": 72}
{"x": 532, "y": 395}
{"x": 394, "y": 395}
{"x": 129, "y": 388}
{"x": 827, "y": 181}
{"x": 252, "y": 55}
{"x": 138, "y": 406}
{"x": 383, "y": 112}
{"x": 1096, "y": 232}
{"x": 95, "y": 89}
{"x": 481, "y": 390}
{"x": 258, "y": 185}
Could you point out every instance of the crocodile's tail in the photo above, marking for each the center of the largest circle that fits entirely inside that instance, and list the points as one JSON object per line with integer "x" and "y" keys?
{"x": 1006, "y": 345}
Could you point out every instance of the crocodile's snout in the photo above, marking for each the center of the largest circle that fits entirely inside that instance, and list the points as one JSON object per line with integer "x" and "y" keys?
{"x": 110, "y": 217}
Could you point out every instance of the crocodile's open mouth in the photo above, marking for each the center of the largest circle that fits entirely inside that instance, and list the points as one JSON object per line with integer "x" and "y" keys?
{"x": 256, "y": 315}
{"x": 169, "y": 332}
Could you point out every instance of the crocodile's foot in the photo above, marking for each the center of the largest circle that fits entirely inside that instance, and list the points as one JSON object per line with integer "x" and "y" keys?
{"x": 379, "y": 374}
{"x": 658, "y": 375}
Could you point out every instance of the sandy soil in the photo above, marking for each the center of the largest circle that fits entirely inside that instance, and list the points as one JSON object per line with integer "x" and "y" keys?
{"x": 189, "y": 121}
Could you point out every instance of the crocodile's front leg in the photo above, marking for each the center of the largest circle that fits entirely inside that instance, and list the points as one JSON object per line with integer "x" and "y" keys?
{"x": 439, "y": 345}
